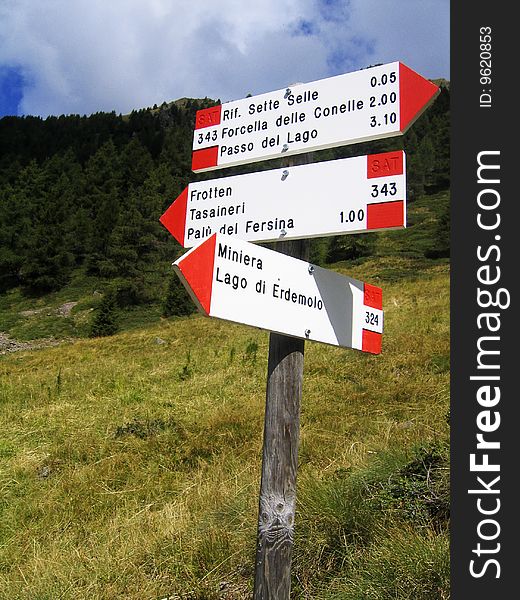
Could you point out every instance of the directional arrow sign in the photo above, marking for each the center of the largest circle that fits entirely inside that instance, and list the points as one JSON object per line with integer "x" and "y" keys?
{"x": 365, "y": 105}
{"x": 365, "y": 193}
{"x": 238, "y": 281}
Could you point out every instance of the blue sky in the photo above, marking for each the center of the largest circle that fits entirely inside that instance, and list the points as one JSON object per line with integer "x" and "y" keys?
{"x": 11, "y": 89}
{"x": 83, "y": 56}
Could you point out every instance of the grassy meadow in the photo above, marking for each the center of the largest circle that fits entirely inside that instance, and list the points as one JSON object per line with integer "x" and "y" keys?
{"x": 130, "y": 465}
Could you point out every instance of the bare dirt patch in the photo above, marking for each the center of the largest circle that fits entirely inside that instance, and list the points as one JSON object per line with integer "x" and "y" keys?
{"x": 35, "y": 311}
{"x": 8, "y": 344}
{"x": 65, "y": 309}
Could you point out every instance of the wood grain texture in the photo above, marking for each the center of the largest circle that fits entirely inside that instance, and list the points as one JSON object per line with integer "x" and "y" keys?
{"x": 277, "y": 502}
{"x": 280, "y": 458}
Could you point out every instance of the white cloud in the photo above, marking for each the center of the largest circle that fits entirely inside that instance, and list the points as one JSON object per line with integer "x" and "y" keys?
{"x": 415, "y": 32}
{"x": 82, "y": 56}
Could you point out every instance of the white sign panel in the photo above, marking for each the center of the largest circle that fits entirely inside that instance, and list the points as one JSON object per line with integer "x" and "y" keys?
{"x": 364, "y": 105}
{"x": 352, "y": 195}
{"x": 238, "y": 281}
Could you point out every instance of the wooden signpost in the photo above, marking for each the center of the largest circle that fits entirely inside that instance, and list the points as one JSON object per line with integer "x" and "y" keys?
{"x": 365, "y": 105}
{"x": 277, "y": 498}
{"x": 241, "y": 282}
{"x": 353, "y": 195}
{"x": 230, "y": 278}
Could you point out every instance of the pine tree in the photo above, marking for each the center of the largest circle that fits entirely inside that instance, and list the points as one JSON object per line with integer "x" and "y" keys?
{"x": 106, "y": 319}
{"x": 48, "y": 261}
{"x": 15, "y": 224}
{"x": 136, "y": 164}
{"x": 426, "y": 153}
{"x": 102, "y": 184}
{"x": 349, "y": 247}
{"x": 79, "y": 234}
{"x": 414, "y": 166}
{"x": 177, "y": 302}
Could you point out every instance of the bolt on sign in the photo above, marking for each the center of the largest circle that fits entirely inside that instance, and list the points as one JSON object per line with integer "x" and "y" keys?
{"x": 238, "y": 281}
{"x": 370, "y": 104}
{"x": 352, "y": 195}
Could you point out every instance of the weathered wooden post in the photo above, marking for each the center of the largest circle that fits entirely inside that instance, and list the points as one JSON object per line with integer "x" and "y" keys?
{"x": 277, "y": 503}
{"x": 279, "y": 461}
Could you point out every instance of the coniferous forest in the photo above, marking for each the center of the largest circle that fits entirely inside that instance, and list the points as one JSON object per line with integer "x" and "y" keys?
{"x": 83, "y": 194}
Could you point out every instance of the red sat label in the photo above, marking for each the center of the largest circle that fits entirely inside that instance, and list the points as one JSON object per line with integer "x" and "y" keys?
{"x": 383, "y": 165}
{"x": 208, "y": 117}
{"x": 373, "y": 296}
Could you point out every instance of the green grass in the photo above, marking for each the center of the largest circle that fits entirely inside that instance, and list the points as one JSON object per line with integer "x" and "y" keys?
{"x": 130, "y": 465}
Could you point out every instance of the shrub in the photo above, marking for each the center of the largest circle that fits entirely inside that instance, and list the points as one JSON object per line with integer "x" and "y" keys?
{"x": 177, "y": 302}
{"x": 106, "y": 318}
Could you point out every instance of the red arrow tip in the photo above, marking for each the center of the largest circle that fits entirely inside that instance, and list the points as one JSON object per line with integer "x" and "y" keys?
{"x": 416, "y": 93}
{"x": 196, "y": 271}
{"x": 174, "y": 219}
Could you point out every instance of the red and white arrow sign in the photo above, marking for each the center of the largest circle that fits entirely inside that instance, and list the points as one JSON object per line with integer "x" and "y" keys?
{"x": 352, "y": 195}
{"x": 241, "y": 282}
{"x": 374, "y": 103}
